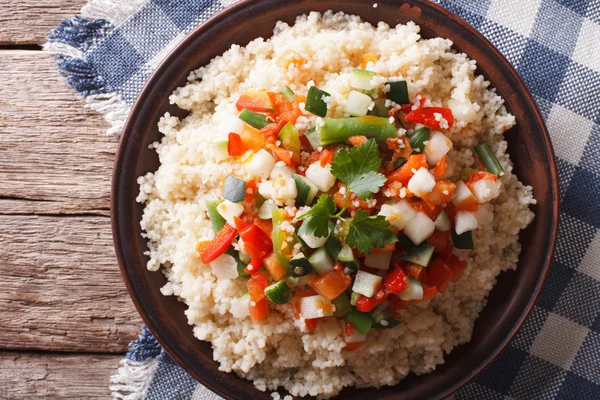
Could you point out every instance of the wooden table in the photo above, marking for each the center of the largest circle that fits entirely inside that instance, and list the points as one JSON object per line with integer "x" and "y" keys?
{"x": 65, "y": 316}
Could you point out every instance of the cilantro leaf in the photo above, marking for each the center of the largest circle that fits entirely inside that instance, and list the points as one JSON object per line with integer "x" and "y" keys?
{"x": 358, "y": 169}
{"x": 317, "y": 218}
{"x": 366, "y": 232}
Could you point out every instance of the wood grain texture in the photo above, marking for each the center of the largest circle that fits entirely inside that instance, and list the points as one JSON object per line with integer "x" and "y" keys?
{"x": 30, "y": 21}
{"x": 61, "y": 289}
{"x": 51, "y": 149}
{"x": 52, "y": 376}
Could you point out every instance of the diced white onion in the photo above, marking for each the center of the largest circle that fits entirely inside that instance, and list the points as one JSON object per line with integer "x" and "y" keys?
{"x": 261, "y": 164}
{"x": 437, "y": 147}
{"x": 229, "y": 210}
{"x": 322, "y": 177}
{"x": 398, "y": 214}
{"x": 419, "y": 228}
{"x": 465, "y": 221}
{"x": 486, "y": 190}
{"x": 224, "y": 267}
{"x": 421, "y": 183}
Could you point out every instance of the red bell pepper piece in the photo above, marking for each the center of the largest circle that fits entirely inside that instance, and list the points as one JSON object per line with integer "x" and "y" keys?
{"x": 457, "y": 266}
{"x": 256, "y": 286}
{"x": 212, "y": 249}
{"x": 311, "y": 324}
{"x": 235, "y": 146}
{"x": 257, "y": 101}
{"x": 259, "y": 310}
{"x": 331, "y": 284}
{"x": 439, "y": 241}
{"x": 405, "y": 172}
{"x": 428, "y": 294}
{"x": 256, "y": 242}
{"x": 438, "y": 274}
{"x": 326, "y": 157}
{"x": 282, "y": 155}
{"x": 426, "y": 116}
{"x": 366, "y": 304}
{"x": 395, "y": 281}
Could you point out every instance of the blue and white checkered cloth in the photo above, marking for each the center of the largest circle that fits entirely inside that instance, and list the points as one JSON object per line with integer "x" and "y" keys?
{"x": 555, "y": 46}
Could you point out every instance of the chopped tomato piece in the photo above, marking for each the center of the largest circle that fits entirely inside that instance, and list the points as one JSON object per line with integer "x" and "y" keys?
{"x": 427, "y": 116}
{"x": 480, "y": 175}
{"x": 397, "y": 303}
{"x": 439, "y": 241}
{"x": 405, "y": 172}
{"x": 429, "y": 293}
{"x": 274, "y": 267}
{"x": 427, "y": 209}
{"x": 271, "y": 131}
{"x": 438, "y": 274}
{"x": 439, "y": 171}
{"x": 353, "y": 346}
{"x": 252, "y": 138}
{"x": 441, "y": 193}
{"x": 468, "y": 204}
{"x": 414, "y": 270}
{"x": 357, "y": 140}
{"x": 256, "y": 242}
{"x": 367, "y": 57}
{"x": 400, "y": 147}
{"x": 395, "y": 281}
{"x": 340, "y": 200}
{"x": 331, "y": 284}
{"x": 366, "y": 304}
{"x": 350, "y": 329}
{"x": 282, "y": 155}
{"x": 210, "y": 250}
{"x": 235, "y": 146}
{"x": 457, "y": 266}
{"x": 311, "y": 324}
{"x": 257, "y": 101}
{"x": 259, "y": 310}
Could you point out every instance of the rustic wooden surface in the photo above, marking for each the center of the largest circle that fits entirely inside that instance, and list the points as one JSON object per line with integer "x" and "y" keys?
{"x": 29, "y": 21}
{"x": 65, "y": 316}
{"x": 55, "y": 375}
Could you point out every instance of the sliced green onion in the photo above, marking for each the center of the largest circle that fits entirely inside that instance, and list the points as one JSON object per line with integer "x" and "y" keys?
{"x": 418, "y": 139}
{"x": 253, "y": 119}
{"x": 489, "y": 159}
{"x": 314, "y": 101}
{"x": 337, "y": 130}
{"x": 398, "y": 92}
{"x": 288, "y": 93}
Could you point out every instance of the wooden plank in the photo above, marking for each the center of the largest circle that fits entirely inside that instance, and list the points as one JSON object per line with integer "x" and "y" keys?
{"x": 52, "y": 149}
{"x": 64, "y": 376}
{"x": 61, "y": 289}
{"x": 30, "y": 21}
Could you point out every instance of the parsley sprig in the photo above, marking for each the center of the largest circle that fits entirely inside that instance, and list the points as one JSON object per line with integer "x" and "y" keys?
{"x": 357, "y": 169}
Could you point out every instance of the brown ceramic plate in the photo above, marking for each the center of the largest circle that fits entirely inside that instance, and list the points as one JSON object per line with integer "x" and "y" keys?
{"x": 509, "y": 302}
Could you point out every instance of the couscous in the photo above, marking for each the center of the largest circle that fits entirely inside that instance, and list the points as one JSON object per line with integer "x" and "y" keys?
{"x": 337, "y": 205}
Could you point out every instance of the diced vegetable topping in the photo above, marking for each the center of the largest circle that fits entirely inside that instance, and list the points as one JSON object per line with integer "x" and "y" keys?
{"x": 398, "y": 92}
{"x": 386, "y": 229}
{"x": 315, "y": 101}
{"x": 489, "y": 159}
{"x": 234, "y": 189}
{"x": 336, "y": 130}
